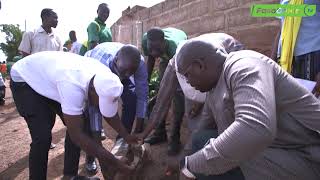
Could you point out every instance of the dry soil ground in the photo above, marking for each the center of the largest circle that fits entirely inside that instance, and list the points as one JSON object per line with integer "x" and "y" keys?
{"x": 15, "y": 140}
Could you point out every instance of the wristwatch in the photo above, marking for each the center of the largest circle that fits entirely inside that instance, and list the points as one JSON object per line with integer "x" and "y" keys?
{"x": 184, "y": 169}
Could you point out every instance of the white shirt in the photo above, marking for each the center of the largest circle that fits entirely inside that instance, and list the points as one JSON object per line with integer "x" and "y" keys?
{"x": 39, "y": 40}
{"x": 75, "y": 48}
{"x": 60, "y": 76}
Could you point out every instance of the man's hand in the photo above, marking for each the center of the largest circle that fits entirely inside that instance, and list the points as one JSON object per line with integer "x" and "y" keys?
{"x": 147, "y": 130}
{"x": 172, "y": 167}
{"x": 183, "y": 177}
{"x": 139, "y": 126}
{"x": 132, "y": 139}
{"x": 140, "y": 137}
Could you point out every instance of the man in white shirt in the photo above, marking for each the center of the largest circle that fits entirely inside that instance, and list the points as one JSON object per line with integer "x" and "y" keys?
{"x": 49, "y": 83}
{"x": 75, "y": 46}
{"x": 43, "y": 38}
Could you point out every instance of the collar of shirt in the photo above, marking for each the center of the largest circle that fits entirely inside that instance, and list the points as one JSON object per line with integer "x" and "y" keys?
{"x": 112, "y": 67}
{"x": 41, "y": 30}
{"x": 99, "y": 21}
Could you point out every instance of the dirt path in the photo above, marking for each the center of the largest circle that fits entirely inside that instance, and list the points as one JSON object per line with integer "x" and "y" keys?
{"x": 15, "y": 140}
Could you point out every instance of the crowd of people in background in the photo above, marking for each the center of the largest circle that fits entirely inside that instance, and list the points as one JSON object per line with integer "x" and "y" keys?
{"x": 250, "y": 115}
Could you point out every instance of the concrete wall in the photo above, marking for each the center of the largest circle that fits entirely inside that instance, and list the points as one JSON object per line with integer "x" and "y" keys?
{"x": 196, "y": 17}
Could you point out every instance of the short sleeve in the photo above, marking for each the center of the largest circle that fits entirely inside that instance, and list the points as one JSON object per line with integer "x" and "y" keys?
{"x": 60, "y": 48}
{"x": 93, "y": 32}
{"x": 72, "y": 98}
{"x": 25, "y": 45}
{"x": 108, "y": 34}
{"x": 172, "y": 47}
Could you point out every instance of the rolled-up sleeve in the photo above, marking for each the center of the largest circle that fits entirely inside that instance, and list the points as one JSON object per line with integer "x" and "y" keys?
{"x": 254, "y": 126}
{"x": 142, "y": 89}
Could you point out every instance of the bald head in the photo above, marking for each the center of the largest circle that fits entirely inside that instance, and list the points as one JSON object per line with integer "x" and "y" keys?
{"x": 130, "y": 54}
{"x": 201, "y": 63}
{"x": 127, "y": 60}
{"x": 194, "y": 50}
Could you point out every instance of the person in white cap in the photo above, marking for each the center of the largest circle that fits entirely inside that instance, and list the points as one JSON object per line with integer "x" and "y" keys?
{"x": 126, "y": 61}
{"x": 49, "y": 83}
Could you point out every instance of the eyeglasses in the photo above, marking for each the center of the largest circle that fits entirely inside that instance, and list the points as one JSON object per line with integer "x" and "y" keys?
{"x": 185, "y": 73}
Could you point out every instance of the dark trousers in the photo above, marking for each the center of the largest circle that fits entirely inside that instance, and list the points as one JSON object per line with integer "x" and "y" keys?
{"x": 129, "y": 104}
{"x": 199, "y": 139}
{"x": 306, "y": 66}
{"x": 2, "y": 92}
{"x": 179, "y": 108}
{"x": 39, "y": 113}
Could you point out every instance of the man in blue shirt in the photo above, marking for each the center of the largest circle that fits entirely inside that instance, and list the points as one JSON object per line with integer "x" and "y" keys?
{"x": 306, "y": 60}
{"x": 126, "y": 62}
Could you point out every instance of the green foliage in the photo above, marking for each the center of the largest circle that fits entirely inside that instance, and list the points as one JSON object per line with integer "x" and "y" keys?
{"x": 13, "y": 39}
{"x": 154, "y": 84}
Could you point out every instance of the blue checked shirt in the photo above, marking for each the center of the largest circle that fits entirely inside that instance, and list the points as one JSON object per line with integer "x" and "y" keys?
{"x": 105, "y": 53}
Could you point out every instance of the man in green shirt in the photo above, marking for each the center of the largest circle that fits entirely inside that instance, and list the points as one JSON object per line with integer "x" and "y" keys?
{"x": 97, "y": 30}
{"x": 162, "y": 44}
{"x": 97, "y": 33}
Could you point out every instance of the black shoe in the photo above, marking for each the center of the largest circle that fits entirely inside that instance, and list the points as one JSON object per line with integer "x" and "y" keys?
{"x": 174, "y": 147}
{"x": 156, "y": 139}
{"x": 103, "y": 135}
{"x": 91, "y": 165}
{"x": 52, "y": 146}
{"x": 85, "y": 178}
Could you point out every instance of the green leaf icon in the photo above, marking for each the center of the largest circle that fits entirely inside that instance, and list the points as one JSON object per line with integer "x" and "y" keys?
{"x": 310, "y": 10}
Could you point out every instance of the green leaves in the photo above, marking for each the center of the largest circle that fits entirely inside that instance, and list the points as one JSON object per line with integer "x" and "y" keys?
{"x": 13, "y": 39}
{"x": 154, "y": 84}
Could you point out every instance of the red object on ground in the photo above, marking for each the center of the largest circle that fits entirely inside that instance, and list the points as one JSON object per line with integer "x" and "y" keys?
{"x": 3, "y": 68}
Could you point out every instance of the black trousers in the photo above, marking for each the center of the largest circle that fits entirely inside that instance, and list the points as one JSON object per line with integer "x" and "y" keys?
{"x": 39, "y": 113}
{"x": 306, "y": 66}
{"x": 179, "y": 108}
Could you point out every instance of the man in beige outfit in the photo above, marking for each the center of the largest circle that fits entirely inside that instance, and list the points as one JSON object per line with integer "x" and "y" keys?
{"x": 43, "y": 38}
{"x": 268, "y": 124}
